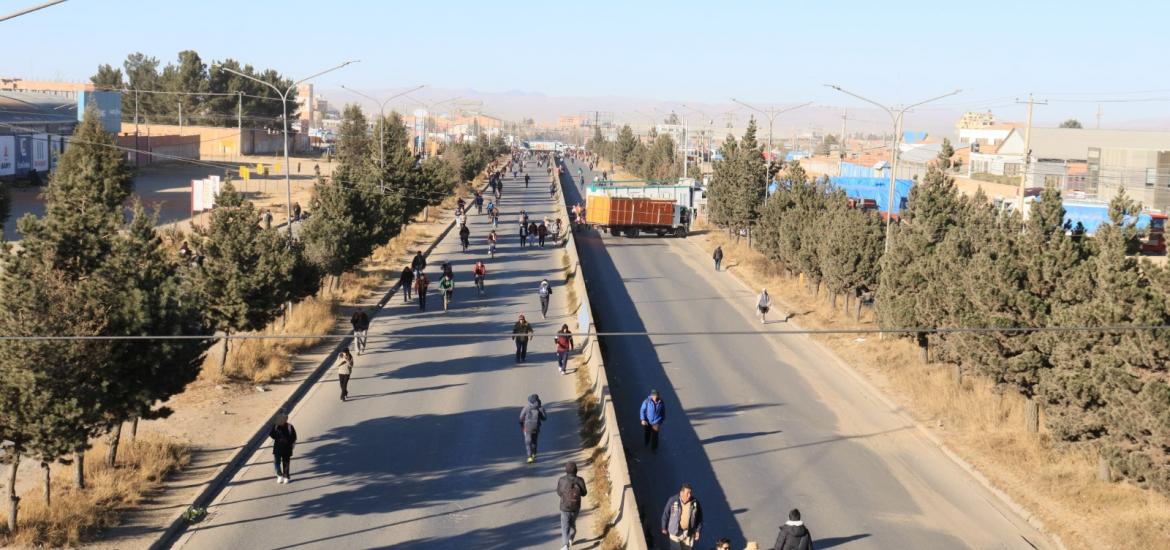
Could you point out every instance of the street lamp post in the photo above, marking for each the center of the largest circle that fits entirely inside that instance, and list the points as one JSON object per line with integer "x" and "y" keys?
{"x": 896, "y": 116}
{"x": 771, "y": 115}
{"x": 284, "y": 107}
{"x": 382, "y": 128}
{"x": 710, "y": 122}
{"x": 429, "y": 106}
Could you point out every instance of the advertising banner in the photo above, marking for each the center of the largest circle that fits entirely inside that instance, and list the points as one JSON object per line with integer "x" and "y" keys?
{"x": 108, "y": 106}
{"x": 7, "y": 155}
{"x": 40, "y": 153}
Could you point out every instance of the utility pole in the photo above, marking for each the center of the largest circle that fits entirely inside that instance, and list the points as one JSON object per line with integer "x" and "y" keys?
{"x": 180, "y": 117}
{"x": 1098, "y": 116}
{"x": 844, "y": 119}
{"x": 137, "y": 148}
{"x": 240, "y": 124}
{"x": 1027, "y": 148}
{"x": 771, "y": 115}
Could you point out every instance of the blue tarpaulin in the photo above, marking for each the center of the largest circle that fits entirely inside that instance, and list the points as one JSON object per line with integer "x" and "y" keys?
{"x": 850, "y": 170}
{"x": 1092, "y": 215}
{"x": 877, "y": 189}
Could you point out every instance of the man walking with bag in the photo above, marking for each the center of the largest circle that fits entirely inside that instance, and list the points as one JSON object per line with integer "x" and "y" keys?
{"x": 571, "y": 489}
{"x": 531, "y": 417}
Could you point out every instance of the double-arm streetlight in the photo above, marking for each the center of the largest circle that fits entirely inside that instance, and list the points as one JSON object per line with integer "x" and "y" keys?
{"x": 284, "y": 105}
{"x": 429, "y": 107}
{"x": 710, "y": 124}
{"x": 771, "y": 113}
{"x": 896, "y": 116}
{"x": 382, "y": 127}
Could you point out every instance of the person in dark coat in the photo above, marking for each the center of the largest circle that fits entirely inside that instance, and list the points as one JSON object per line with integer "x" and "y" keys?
{"x": 571, "y": 489}
{"x": 718, "y": 257}
{"x": 420, "y": 284}
{"x": 531, "y": 417}
{"x": 284, "y": 438}
{"x": 793, "y": 534}
{"x": 406, "y": 281}
{"x": 682, "y": 519}
{"x": 521, "y": 332}
{"x": 541, "y": 233}
{"x": 419, "y": 262}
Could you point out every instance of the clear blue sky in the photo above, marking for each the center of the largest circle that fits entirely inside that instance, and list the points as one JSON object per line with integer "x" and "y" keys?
{"x": 779, "y": 51}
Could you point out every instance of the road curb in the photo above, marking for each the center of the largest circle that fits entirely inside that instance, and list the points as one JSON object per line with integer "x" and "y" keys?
{"x": 211, "y": 490}
{"x": 921, "y": 428}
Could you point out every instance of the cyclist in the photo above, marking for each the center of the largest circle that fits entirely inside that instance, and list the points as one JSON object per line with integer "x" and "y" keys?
{"x": 480, "y": 271}
{"x": 492, "y": 243}
{"x": 447, "y": 289}
{"x": 465, "y": 237}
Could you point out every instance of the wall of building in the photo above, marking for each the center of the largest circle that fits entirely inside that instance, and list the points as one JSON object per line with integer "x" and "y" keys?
{"x": 220, "y": 142}
{"x": 149, "y": 149}
{"x": 1144, "y": 174}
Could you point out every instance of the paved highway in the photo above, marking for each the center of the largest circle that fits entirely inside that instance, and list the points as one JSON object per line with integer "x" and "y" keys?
{"x": 760, "y": 425}
{"x": 427, "y": 452}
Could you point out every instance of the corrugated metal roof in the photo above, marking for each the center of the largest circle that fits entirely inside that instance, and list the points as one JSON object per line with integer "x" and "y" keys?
{"x": 36, "y": 108}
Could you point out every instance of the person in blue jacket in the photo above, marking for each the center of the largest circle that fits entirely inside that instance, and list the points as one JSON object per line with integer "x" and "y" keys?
{"x": 653, "y": 414}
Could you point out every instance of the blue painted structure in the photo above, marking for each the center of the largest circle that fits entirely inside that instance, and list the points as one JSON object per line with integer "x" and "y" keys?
{"x": 876, "y": 189}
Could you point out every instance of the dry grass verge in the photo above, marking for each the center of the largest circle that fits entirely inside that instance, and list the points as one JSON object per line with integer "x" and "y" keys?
{"x": 76, "y": 514}
{"x": 263, "y": 360}
{"x": 977, "y": 421}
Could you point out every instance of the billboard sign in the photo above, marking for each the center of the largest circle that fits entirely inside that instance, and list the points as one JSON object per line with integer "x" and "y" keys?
{"x": 203, "y": 193}
{"x": 40, "y": 153}
{"x": 108, "y": 106}
{"x": 7, "y": 155}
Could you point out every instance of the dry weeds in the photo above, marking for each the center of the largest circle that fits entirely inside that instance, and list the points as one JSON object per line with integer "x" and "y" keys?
{"x": 77, "y": 514}
{"x": 977, "y": 421}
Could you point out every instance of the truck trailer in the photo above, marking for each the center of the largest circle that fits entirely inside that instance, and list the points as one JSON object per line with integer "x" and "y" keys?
{"x": 634, "y": 216}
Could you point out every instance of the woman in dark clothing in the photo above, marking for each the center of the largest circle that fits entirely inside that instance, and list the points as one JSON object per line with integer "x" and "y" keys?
{"x": 284, "y": 437}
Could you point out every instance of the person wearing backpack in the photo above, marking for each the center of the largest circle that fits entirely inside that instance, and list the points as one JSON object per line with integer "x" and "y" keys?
{"x": 564, "y": 342}
{"x": 531, "y": 417}
{"x": 545, "y": 291}
{"x": 571, "y": 489}
{"x": 718, "y": 257}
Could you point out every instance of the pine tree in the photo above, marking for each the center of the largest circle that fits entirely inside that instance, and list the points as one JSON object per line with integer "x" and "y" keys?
{"x": 945, "y": 154}
{"x": 912, "y": 261}
{"x": 738, "y": 186}
{"x": 247, "y": 273}
{"x": 851, "y": 249}
{"x": 626, "y": 141}
{"x": 337, "y": 236}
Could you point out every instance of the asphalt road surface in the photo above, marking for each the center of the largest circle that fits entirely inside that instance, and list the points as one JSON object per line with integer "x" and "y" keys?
{"x": 427, "y": 452}
{"x": 762, "y": 424}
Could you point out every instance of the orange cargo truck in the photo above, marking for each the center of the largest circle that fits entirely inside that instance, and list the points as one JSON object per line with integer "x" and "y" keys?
{"x": 632, "y": 216}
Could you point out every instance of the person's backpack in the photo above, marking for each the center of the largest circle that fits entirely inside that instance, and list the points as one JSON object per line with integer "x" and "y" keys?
{"x": 571, "y": 500}
{"x": 532, "y": 420}
{"x": 545, "y": 290}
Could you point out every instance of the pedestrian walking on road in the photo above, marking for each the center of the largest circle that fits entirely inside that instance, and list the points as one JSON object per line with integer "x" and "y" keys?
{"x": 682, "y": 519}
{"x": 521, "y": 331}
{"x": 523, "y": 233}
{"x": 421, "y": 282}
{"x": 361, "y": 328}
{"x": 763, "y": 304}
{"x": 531, "y": 417}
{"x": 405, "y": 281}
{"x": 532, "y": 231}
{"x": 571, "y": 489}
{"x": 465, "y": 237}
{"x": 718, "y": 257}
{"x": 793, "y": 534}
{"x": 542, "y": 233}
{"x": 526, "y": 179}
{"x": 344, "y": 369}
{"x": 284, "y": 438}
{"x": 545, "y": 292}
{"x": 652, "y": 414}
{"x": 419, "y": 262}
{"x": 564, "y": 343}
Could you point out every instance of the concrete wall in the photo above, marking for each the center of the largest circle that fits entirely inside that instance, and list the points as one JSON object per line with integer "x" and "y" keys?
{"x": 151, "y": 149}
{"x": 626, "y": 523}
{"x": 217, "y": 141}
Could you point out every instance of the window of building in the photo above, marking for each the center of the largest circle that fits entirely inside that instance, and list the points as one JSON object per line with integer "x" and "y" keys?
{"x": 1012, "y": 169}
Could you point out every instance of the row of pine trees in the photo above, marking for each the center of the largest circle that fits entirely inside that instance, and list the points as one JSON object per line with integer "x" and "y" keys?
{"x": 91, "y": 267}
{"x": 956, "y": 262}
{"x": 657, "y": 161}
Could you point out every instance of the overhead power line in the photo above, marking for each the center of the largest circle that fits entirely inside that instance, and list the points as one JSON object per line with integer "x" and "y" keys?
{"x": 621, "y": 334}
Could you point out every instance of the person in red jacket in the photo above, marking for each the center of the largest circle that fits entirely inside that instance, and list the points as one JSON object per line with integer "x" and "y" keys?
{"x": 564, "y": 342}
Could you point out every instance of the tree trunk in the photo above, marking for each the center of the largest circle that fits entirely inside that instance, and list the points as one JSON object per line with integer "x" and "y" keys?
{"x": 1032, "y": 415}
{"x": 859, "y": 309}
{"x": 115, "y": 439}
{"x": 846, "y": 308}
{"x": 924, "y": 347}
{"x": 833, "y": 301}
{"x": 48, "y": 485}
{"x": 13, "y": 500}
{"x": 1103, "y": 473}
{"x": 223, "y": 358}
{"x": 134, "y": 429}
{"x": 79, "y": 469}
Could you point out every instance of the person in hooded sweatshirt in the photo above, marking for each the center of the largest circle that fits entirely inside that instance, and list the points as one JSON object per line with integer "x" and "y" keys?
{"x": 793, "y": 534}
{"x": 531, "y": 417}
